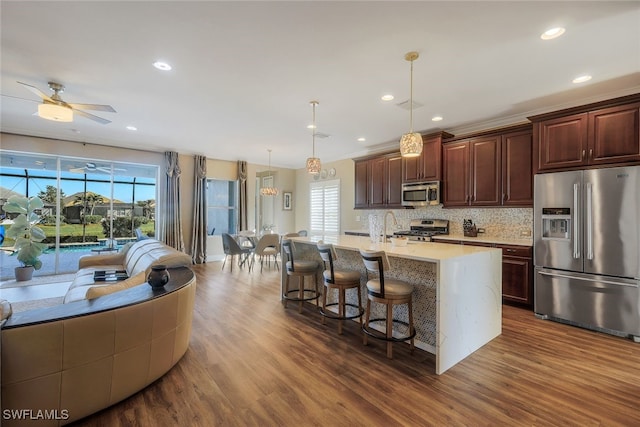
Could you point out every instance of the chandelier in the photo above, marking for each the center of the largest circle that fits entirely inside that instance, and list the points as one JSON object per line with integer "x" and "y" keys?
{"x": 411, "y": 143}
{"x": 269, "y": 191}
{"x": 313, "y": 162}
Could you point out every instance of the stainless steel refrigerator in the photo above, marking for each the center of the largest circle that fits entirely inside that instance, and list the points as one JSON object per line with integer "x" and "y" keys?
{"x": 587, "y": 248}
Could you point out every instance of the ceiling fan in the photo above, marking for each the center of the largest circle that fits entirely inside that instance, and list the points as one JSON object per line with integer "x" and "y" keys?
{"x": 91, "y": 167}
{"x": 54, "y": 108}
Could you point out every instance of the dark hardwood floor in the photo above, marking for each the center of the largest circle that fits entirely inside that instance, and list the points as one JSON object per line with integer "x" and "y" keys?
{"x": 253, "y": 363}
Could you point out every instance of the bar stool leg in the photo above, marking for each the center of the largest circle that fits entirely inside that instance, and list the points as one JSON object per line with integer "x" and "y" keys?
{"x": 324, "y": 304}
{"x": 341, "y": 308}
{"x": 411, "y": 328}
{"x": 366, "y": 321}
{"x": 359, "y": 305}
{"x": 300, "y": 292}
{"x": 286, "y": 290}
{"x": 389, "y": 330}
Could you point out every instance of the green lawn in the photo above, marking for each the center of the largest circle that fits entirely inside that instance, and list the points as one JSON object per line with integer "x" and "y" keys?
{"x": 76, "y": 230}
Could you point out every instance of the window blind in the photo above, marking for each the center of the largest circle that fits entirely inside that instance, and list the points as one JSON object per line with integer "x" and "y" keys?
{"x": 324, "y": 208}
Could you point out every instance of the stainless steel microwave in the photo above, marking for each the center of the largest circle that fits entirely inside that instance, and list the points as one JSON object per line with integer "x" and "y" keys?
{"x": 421, "y": 193}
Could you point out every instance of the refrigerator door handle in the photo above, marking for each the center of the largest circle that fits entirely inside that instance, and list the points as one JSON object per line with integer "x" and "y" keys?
{"x": 587, "y": 279}
{"x": 576, "y": 225}
{"x": 589, "y": 221}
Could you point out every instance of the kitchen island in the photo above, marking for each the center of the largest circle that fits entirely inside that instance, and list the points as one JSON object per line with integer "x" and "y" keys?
{"x": 457, "y": 303}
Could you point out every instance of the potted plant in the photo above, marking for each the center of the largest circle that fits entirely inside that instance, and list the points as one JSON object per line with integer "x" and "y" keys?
{"x": 26, "y": 233}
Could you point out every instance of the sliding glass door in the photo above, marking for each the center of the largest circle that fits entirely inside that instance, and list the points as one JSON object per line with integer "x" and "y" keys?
{"x": 90, "y": 205}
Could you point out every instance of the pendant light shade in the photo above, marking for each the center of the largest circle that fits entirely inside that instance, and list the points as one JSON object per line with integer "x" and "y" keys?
{"x": 411, "y": 143}
{"x": 269, "y": 191}
{"x": 313, "y": 162}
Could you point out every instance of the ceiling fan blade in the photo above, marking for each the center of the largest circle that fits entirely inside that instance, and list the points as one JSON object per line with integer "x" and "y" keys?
{"x": 92, "y": 117}
{"x": 96, "y": 107}
{"x": 21, "y": 99}
{"x": 38, "y": 92}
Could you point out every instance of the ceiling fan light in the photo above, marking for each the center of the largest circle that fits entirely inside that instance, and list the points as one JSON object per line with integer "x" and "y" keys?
{"x": 411, "y": 144}
{"x": 313, "y": 165}
{"x": 55, "y": 112}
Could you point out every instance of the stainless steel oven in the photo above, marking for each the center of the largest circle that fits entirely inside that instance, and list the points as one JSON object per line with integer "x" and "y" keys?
{"x": 421, "y": 193}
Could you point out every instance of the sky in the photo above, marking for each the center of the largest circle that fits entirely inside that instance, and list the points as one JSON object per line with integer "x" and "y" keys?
{"x": 121, "y": 191}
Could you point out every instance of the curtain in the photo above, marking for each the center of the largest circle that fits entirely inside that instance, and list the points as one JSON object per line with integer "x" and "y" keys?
{"x": 172, "y": 224}
{"x": 199, "y": 234}
{"x": 242, "y": 198}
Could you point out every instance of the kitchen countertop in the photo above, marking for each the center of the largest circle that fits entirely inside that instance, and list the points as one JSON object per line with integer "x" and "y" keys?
{"x": 419, "y": 251}
{"x": 527, "y": 241}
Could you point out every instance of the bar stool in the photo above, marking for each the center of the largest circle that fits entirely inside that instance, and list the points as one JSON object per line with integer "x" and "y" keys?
{"x": 299, "y": 269}
{"x": 389, "y": 292}
{"x": 340, "y": 280}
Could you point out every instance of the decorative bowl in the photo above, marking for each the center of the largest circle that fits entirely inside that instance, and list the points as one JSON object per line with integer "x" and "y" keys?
{"x": 399, "y": 241}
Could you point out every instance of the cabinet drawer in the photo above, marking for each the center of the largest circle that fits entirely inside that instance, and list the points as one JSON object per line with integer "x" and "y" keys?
{"x": 521, "y": 251}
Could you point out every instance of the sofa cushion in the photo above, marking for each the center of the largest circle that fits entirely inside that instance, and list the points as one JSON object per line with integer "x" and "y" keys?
{"x": 100, "y": 290}
{"x": 136, "y": 259}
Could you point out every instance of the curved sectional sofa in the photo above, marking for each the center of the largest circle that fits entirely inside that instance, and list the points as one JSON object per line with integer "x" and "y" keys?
{"x": 63, "y": 363}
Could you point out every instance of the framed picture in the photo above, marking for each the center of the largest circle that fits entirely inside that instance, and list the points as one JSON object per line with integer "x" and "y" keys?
{"x": 286, "y": 200}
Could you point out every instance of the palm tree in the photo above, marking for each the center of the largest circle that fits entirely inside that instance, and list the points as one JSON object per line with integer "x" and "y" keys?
{"x": 87, "y": 198}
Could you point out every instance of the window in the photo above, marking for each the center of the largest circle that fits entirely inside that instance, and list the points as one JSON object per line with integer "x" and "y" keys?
{"x": 87, "y": 203}
{"x": 325, "y": 208}
{"x": 222, "y": 206}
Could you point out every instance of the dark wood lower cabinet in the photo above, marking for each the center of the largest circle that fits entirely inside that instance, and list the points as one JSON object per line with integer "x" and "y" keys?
{"x": 517, "y": 275}
{"x": 517, "y": 271}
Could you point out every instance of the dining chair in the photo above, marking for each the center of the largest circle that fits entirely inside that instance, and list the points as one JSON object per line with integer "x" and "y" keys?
{"x": 268, "y": 246}
{"x": 232, "y": 248}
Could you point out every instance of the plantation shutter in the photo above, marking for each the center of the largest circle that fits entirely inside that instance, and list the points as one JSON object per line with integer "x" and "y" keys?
{"x": 325, "y": 208}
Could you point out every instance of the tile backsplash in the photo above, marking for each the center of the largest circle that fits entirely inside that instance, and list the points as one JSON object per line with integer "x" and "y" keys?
{"x": 497, "y": 222}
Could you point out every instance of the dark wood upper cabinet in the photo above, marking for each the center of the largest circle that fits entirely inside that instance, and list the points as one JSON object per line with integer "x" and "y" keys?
{"x": 563, "y": 142}
{"x": 455, "y": 190}
{"x": 605, "y": 133}
{"x": 517, "y": 168}
{"x": 394, "y": 180}
{"x": 472, "y": 172}
{"x": 361, "y": 184}
{"x": 427, "y": 166}
{"x": 378, "y": 182}
{"x": 491, "y": 169}
{"x": 485, "y": 171}
{"x": 614, "y": 134}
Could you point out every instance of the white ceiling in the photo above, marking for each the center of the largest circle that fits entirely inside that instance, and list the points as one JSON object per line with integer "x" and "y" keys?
{"x": 244, "y": 72}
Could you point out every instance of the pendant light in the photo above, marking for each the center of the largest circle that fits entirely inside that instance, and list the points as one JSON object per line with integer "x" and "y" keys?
{"x": 313, "y": 162}
{"x": 411, "y": 143}
{"x": 269, "y": 191}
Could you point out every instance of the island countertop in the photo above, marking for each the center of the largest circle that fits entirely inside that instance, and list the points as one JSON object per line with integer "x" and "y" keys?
{"x": 457, "y": 289}
{"x": 419, "y": 251}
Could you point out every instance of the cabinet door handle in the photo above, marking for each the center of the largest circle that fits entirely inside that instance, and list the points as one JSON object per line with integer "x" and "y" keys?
{"x": 591, "y": 153}
{"x": 583, "y": 153}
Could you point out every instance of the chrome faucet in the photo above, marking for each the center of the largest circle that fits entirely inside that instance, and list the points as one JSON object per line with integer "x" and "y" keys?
{"x": 384, "y": 227}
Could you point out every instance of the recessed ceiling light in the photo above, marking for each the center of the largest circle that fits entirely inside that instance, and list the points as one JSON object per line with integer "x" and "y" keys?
{"x": 132, "y": 128}
{"x": 436, "y": 118}
{"x": 387, "y": 97}
{"x": 552, "y": 33}
{"x": 582, "y": 79}
{"x": 160, "y": 65}
{"x": 311, "y": 127}
{"x": 362, "y": 139}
